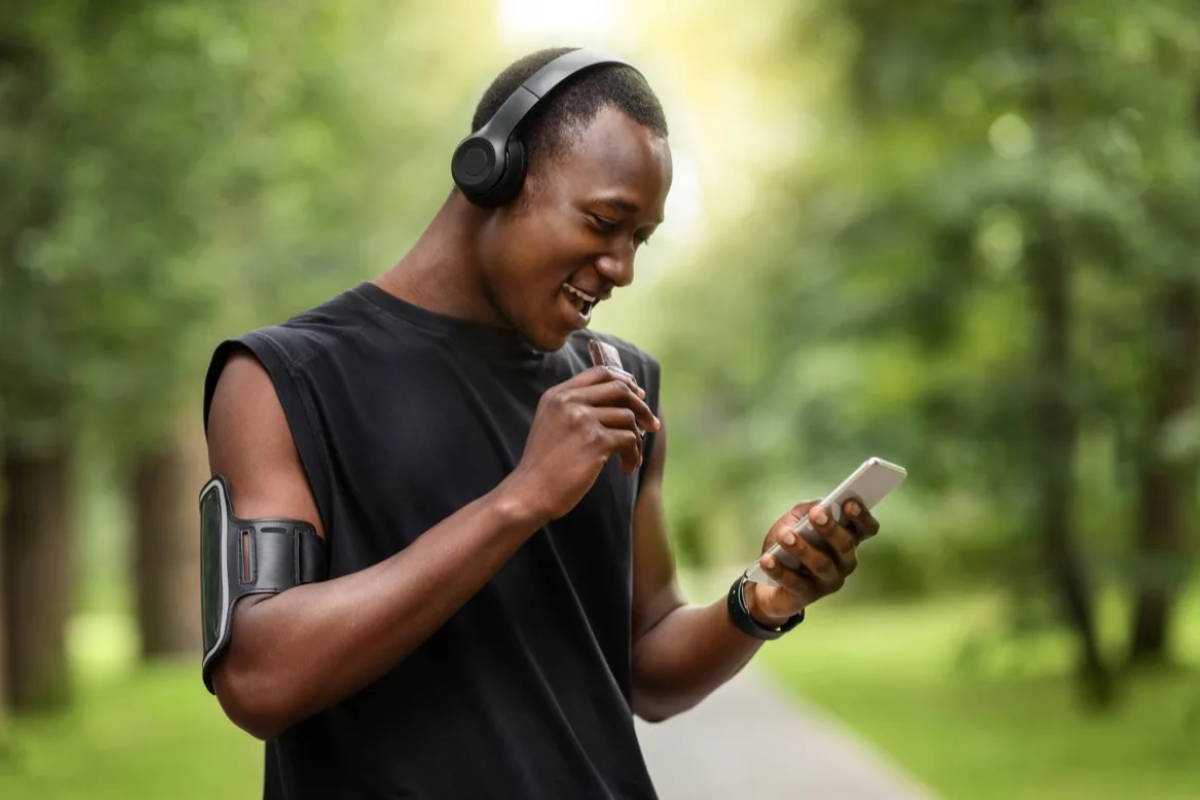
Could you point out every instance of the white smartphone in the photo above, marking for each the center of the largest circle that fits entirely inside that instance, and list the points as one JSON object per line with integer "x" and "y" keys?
{"x": 869, "y": 484}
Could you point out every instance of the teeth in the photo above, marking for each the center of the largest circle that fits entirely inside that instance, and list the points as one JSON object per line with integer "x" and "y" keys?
{"x": 584, "y": 296}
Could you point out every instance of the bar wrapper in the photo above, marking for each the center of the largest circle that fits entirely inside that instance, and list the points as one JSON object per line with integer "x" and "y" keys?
{"x": 604, "y": 355}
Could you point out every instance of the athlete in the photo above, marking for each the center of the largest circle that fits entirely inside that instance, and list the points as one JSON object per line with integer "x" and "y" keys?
{"x": 496, "y": 597}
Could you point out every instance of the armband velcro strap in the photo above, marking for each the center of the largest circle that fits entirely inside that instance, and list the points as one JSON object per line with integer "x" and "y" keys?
{"x": 239, "y": 557}
{"x": 279, "y": 554}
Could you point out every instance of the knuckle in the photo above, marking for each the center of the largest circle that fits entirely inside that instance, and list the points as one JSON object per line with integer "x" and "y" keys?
{"x": 821, "y": 563}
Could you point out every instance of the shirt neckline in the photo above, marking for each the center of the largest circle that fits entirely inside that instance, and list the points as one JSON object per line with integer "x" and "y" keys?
{"x": 486, "y": 339}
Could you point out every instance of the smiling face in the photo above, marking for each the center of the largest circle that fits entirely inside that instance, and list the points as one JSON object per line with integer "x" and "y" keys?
{"x": 571, "y": 235}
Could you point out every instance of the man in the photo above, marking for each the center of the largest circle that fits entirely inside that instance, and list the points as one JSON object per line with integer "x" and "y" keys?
{"x": 501, "y": 595}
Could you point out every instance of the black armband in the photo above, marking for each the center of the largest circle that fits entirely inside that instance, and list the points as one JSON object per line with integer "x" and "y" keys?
{"x": 247, "y": 556}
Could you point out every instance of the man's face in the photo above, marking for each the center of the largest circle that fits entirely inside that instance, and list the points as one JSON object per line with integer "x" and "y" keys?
{"x": 571, "y": 236}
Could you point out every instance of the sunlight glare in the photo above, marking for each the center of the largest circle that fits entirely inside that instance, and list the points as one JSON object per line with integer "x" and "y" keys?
{"x": 531, "y": 19}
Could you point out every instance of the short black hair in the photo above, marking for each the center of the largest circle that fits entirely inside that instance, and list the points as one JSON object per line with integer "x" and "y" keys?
{"x": 546, "y": 131}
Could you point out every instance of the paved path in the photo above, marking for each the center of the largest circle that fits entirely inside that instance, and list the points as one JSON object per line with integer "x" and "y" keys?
{"x": 713, "y": 751}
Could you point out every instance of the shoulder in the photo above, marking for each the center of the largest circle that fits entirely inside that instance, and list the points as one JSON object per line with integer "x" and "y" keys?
{"x": 281, "y": 351}
{"x": 327, "y": 328}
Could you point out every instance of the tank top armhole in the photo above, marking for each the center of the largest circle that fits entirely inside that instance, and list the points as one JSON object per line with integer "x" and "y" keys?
{"x": 651, "y": 383}
{"x": 296, "y": 408}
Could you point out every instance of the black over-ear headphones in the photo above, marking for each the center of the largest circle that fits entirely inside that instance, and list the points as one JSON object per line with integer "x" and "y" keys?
{"x": 489, "y": 165}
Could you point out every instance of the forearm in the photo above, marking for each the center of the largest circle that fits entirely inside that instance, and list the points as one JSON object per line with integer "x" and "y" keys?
{"x": 684, "y": 657}
{"x": 304, "y": 649}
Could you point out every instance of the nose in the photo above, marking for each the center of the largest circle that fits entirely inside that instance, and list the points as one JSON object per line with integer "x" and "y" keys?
{"x": 616, "y": 265}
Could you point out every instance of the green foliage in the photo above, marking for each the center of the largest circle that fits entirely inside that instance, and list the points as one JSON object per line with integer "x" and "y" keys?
{"x": 178, "y": 171}
{"x": 976, "y": 707}
{"x": 879, "y": 303}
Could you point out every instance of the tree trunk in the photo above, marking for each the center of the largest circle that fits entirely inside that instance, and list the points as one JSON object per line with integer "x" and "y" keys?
{"x": 1055, "y": 418}
{"x": 166, "y": 545}
{"x": 4, "y": 525}
{"x": 1166, "y": 483}
{"x": 38, "y": 577}
{"x": 1055, "y": 427}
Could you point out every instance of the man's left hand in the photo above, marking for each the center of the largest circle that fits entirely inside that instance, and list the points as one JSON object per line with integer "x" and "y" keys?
{"x": 824, "y": 562}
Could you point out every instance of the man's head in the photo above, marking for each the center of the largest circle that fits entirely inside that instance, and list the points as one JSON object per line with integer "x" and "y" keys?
{"x": 599, "y": 172}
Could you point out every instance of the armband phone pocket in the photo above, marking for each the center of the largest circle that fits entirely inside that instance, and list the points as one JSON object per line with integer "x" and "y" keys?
{"x": 247, "y": 556}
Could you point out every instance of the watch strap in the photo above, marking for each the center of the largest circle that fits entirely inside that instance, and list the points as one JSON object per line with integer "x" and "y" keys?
{"x": 745, "y": 622}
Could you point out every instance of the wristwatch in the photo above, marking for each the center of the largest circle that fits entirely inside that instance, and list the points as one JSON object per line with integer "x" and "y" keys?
{"x": 742, "y": 619}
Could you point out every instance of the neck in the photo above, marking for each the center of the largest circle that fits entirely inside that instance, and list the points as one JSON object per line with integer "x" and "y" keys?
{"x": 441, "y": 272}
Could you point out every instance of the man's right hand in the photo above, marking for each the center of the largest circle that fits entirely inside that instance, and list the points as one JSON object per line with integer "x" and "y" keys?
{"x": 578, "y": 425}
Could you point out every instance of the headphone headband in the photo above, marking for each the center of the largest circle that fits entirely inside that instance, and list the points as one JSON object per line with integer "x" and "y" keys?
{"x": 489, "y": 165}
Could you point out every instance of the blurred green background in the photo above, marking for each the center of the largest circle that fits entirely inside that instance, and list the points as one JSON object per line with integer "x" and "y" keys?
{"x": 961, "y": 236}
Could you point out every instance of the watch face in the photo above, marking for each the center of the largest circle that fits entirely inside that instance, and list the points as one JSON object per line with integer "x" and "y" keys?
{"x": 213, "y": 520}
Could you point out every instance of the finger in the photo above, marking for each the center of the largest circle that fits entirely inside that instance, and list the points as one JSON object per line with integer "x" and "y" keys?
{"x": 600, "y": 374}
{"x": 618, "y": 417}
{"x": 629, "y": 445}
{"x": 798, "y": 512}
{"x": 824, "y": 570}
{"x": 859, "y": 519}
{"x": 808, "y": 529}
{"x": 789, "y": 579}
{"x": 617, "y": 393}
{"x": 835, "y": 540}
{"x": 792, "y": 518}
{"x": 616, "y": 373}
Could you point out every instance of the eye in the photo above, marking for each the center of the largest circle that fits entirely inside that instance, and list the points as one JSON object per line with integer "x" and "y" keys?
{"x": 602, "y": 224}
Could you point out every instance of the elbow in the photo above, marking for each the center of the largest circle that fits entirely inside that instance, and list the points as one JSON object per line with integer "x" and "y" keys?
{"x": 653, "y": 707}
{"x": 650, "y": 715}
{"x": 249, "y": 701}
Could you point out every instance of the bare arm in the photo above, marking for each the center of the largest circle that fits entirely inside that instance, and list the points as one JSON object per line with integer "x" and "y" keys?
{"x": 297, "y": 652}
{"x": 681, "y": 653}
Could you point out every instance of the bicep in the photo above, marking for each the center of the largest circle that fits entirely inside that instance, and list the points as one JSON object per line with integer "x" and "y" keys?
{"x": 655, "y": 592}
{"x": 250, "y": 443}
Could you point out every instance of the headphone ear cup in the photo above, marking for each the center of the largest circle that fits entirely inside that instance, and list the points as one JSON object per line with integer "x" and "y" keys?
{"x": 474, "y": 168}
{"x": 509, "y": 185}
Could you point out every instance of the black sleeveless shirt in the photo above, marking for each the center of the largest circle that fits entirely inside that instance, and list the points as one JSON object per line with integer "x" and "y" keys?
{"x": 402, "y": 416}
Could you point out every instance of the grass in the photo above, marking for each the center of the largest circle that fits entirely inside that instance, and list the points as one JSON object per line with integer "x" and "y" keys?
{"x": 973, "y": 715}
{"x": 148, "y": 732}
